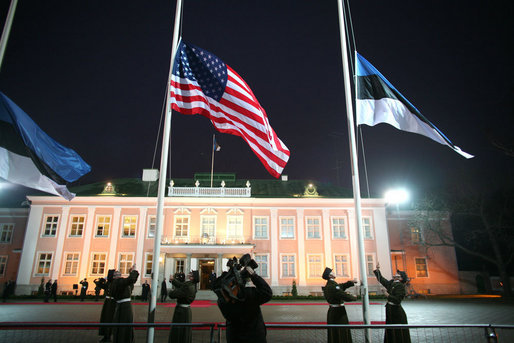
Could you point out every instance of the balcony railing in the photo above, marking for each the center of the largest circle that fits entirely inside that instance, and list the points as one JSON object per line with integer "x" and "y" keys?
{"x": 205, "y": 239}
{"x": 197, "y": 191}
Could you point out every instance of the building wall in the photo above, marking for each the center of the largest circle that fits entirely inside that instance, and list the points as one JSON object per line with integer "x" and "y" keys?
{"x": 12, "y": 233}
{"x": 310, "y": 252}
{"x": 441, "y": 275}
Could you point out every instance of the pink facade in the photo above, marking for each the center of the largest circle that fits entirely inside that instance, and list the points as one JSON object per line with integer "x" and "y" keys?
{"x": 12, "y": 233}
{"x": 292, "y": 239}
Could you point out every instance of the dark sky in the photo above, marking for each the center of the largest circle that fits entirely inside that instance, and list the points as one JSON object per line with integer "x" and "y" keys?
{"x": 92, "y": 74}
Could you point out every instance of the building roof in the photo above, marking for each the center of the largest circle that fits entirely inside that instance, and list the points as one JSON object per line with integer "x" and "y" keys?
{"x": 260, "y": 188}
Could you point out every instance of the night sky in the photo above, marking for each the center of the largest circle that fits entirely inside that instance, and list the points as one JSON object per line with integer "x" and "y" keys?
{"x": 93, "y": 74}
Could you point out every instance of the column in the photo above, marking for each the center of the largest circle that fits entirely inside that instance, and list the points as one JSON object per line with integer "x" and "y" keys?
{"x": 382, "y": 236}
{"x": 28, "y": 257}
{"x": 139, "y": 259}
{"x": 354, "y": 248}
{"x": 61, "y": 236}
{"x": 301, "y": 248}
{"x": 115, "y": 232}
{"x": 274, "y": 256}
{"x": 327, "y": 238}
{"x": 188, "y": 263}
{"x": 219, "y": 264}
{"x": 88, "y": 237}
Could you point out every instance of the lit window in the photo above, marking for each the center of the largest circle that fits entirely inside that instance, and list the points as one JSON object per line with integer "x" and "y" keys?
{"x": 126, "y": 261}
{"x": 50, "y": 228}
{"x": 370, "y": 265}
{"x": 338, "y": 228}
{"x": 77, "y": 226}
{"x": 103, "y": 225}
{"x": 313, "y": 227}
{"x": 421, "y": 267}
{"x": 314, "y": 266}
{"x": 71, "y": 264}
{"x": 415, "y": 235}
{"x": 262, "y": 261}
{"x": 152, "y": 226}
{"x": 208, "y": 229}
{"x": 341, "y": 266}
{"x": 98, "y": 264}
{"x": 3, "y": 265}
{"x": 6, "y": 231}
{"x": 287, "y": 227}
{"x": 235, "y": 227}
{"x": 148, "y": 264}
{"x": 366, "y": 228}
{"x": 181, "y": 226}
{"x": 288, "y": 266}
{"x": 260, "y": 225}
{"x": 44, "y": 263}
{"x": 129, "y": 226}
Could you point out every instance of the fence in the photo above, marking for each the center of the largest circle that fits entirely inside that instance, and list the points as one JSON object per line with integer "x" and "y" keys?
{"x": 276, "y": 333}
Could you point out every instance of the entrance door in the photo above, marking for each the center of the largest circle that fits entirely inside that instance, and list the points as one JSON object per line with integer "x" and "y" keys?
{"x": 206, "y": 268}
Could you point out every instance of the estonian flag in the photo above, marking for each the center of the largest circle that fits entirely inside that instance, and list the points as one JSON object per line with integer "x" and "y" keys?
{"x": 379, "y": 102}
{"x": 29, "y": 157}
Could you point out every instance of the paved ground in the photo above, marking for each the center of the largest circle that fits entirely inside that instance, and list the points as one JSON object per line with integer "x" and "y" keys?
{"x": 419, "y": 311}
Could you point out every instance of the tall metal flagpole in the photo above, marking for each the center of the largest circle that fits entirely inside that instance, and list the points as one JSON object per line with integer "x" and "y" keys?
{"x": 212, "y": 159}
{"x": 355, "y": 170}
{"x": 162, "y": 180}
{"x": 7, "y": 29}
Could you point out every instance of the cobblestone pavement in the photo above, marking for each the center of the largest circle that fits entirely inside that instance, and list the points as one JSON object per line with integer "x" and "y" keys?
{"x": 419, "y": 311}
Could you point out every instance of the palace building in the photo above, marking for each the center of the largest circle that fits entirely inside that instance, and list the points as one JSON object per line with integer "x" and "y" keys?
{"x": 293, "y": 229}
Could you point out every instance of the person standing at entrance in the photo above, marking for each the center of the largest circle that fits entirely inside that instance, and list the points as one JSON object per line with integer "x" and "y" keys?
{"x": 395, "y": 292}
{"x": 185, "y": 293}
{"x": 48, "y": 290}
{"x": 164, "y": 291}
{"x": 335, "y": 295}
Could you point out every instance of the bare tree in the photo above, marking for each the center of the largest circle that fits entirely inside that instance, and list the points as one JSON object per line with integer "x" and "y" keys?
{"x": 485, "y": 220}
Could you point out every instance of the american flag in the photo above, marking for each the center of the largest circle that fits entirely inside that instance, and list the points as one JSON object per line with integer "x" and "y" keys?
{"x": 203, "y": 84}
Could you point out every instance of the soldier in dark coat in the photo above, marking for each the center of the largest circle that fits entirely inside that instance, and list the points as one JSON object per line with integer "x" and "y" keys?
{"x": 53, "y": 290}
{"x": 185, "y": 293}
{"x": 83, "y": 289}
{"x": 108, "y": 307}
{"x": 145, "y": 290}
{"x": 48, "y": 290}
{"x": 395, "y": 292}
{"x": 244, "y": 317}
{"x": 164, "y": 291}
{"x": 99, "y": 285}
{"x": 121, "y": 290}
{"x": 336, "y": 296}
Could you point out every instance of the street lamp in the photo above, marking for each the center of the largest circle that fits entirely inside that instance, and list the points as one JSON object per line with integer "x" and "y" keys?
{"x": 396, "y": 196}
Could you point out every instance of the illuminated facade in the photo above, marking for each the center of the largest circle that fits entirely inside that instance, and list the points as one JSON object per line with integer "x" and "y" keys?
{"x": 292, "y": 229}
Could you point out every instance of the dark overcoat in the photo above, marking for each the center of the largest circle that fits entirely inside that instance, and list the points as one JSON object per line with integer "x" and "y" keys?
{"x": 335, "y": 294}
{"x": 244, "y": 318}
{"x": 108, "y": 308}
{"x": 185, "y": 293}
{"x": 122, "y": 289}
{"x": 394, "y": 310}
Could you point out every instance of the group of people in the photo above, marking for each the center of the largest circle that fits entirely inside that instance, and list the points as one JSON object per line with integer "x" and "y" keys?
{"x": 335, "y": 294}
{"x": 241, "y": 308}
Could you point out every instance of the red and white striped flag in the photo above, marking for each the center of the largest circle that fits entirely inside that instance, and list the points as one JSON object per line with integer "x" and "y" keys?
{"x": 203, "y": 84}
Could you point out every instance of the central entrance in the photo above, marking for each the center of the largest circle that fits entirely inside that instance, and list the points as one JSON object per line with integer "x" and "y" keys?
{"x": 206, "y": 267}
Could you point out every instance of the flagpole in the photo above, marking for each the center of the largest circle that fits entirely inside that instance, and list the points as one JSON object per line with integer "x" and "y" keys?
{"x": 212, "y": 158}
{"x": 355, "y": 171}
{"x": 7, "y": 29}
{"x": 162, "y": 180}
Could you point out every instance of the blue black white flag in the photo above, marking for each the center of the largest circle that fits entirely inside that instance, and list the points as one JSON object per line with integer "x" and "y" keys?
{"x": 378, "y": 101}
{"x": 29, "y": 157}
